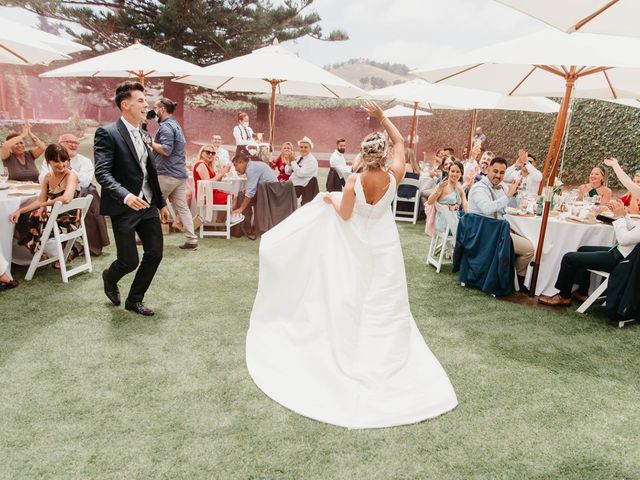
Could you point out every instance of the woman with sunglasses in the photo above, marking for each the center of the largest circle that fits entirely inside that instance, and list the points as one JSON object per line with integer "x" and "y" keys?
{"x": 60, "y": 185}
{"x": 205, "y": 169}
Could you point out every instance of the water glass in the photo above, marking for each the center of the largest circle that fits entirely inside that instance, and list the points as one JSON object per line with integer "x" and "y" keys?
{"x": 4, "y": 174}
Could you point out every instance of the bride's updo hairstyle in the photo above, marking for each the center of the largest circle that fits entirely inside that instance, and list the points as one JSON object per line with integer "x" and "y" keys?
{"x": 374, "y": 150}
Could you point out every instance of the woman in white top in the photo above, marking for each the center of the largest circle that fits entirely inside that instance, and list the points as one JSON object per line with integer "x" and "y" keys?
{"x": 242, "y": 132}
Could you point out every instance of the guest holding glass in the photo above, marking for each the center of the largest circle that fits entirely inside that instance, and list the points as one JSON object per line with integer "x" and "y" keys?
{"x": 285, "y": 158}
{"x": 596, "y": 186}
{"x": 242, "y": 133}
{"x": 21, "y": 162}
{"x": 61, "y": 184}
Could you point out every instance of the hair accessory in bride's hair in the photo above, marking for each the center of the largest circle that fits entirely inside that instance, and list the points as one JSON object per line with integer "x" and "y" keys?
{"x": 374, "y": 149}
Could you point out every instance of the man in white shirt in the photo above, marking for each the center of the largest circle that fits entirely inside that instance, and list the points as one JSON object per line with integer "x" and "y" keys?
{"x": 81, "y": 165}
{"x": 222, "y": 154}
{"x": 305, "y": 168}
{"x": 338, "y": 161}
{"x": 524, "y": 169}
{"x": 575, "y": 266}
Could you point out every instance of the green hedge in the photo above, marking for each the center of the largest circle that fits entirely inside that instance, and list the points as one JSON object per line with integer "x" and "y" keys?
{"x": 597, "y": 130}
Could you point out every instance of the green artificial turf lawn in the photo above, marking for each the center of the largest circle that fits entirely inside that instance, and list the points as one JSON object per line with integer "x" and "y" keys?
{"x": 88, "y": 390}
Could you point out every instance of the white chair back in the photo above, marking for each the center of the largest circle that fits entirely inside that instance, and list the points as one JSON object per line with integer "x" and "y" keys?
{"x": 82, "y": 206}
{"x": 409, "y": 216}
{"x": 210, "y": 211}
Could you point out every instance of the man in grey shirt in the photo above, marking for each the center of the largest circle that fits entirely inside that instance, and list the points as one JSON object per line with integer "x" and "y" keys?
{"x": 489, "y": 197}
{"x": 171, "y": 163}
{"x": 257, "y": 172}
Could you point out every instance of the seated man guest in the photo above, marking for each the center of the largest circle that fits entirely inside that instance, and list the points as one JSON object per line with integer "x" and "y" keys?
{"x": 575, "y": 265}
{"x": 305, "y": 168}
{"x": 256, "y": 172}
{"x": 21, "y": 162}
{"x": 221, "y": 154}
{"x": 524, "y": 168}
{"x": 489, "y": 197}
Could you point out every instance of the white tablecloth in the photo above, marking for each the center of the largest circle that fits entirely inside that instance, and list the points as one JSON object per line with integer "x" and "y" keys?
{"x": 9, "y": 204}
{"x": 561, "y": 237}
{"x": 239, "y": 184}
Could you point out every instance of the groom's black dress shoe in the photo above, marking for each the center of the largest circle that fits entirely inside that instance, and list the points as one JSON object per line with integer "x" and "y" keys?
{"x": 111, "y": 289}
{"x": 138, "y": 307}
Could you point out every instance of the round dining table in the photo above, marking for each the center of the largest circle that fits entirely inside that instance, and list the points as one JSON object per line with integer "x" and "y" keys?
{"x": 562, "y": 236}
{"x": 10, "y": 200}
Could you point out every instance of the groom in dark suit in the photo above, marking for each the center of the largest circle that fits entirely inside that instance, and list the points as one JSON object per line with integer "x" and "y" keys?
{"x": 131, "y": 196}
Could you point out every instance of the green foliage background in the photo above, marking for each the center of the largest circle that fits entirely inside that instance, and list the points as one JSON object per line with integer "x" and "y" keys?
{"x": 597, "y": 130}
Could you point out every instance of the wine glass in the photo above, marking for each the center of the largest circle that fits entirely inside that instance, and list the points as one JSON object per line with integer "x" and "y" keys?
{"x": 4, "y": 174}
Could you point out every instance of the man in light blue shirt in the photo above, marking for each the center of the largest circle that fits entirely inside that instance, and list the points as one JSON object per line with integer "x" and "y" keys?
{"x": 489, "y": 197}
{"x": 257, "y": 172}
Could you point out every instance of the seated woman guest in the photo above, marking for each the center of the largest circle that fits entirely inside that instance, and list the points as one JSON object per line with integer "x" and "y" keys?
{"x": 61, "y": 184}
{"x": 205, "y": 169}
{"x": 285, "y": 158}
{"x": 450, "y": 193}
{"x": 242, "y": 132}
{"x": 5, "y": 280}
{"x": 596, "y": 186}
{"x": 630, "y": 200}
{"x": 21, "y": 162}
{"x": 411, "y": 170}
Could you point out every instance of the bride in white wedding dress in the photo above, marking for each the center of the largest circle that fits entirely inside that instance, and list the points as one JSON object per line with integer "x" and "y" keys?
{"x": 331, "y": 335}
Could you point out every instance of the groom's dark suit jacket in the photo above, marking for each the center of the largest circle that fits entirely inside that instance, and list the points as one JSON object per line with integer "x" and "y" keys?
{"x": 118, "y": 170}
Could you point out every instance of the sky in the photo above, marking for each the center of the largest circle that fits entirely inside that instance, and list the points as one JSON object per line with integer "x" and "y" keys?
{"x": 412, "y": 32}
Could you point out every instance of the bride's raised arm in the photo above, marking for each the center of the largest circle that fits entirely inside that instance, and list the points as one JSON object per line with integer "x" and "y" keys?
{"x": 397, "y": 160}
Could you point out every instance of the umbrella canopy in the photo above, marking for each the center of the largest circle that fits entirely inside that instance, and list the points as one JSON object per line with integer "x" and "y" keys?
{"x": 135, "y": 61}
{"x": 428, "y": 95}
{"x": 402, "y": 111}
{"x": 23, "y": 45}
{"x": 548, "y": 63}
{"x": 273, "y": 70}
{"x": 609, "y": 17}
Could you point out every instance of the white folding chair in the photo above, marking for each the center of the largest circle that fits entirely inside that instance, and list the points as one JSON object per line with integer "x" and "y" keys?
{"x": 440, "y": 241}
{"x": 82, "y": 204}
{"x": 411, "y": 216}
{"x": 209, "y": 211}
{"x": 597, "y": 293}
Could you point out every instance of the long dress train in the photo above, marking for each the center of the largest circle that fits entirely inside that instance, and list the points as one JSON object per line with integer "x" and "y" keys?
{"x": 341, "y": 346}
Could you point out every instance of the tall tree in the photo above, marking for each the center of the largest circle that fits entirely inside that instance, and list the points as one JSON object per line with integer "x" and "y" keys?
{"x": 200, "y": 31}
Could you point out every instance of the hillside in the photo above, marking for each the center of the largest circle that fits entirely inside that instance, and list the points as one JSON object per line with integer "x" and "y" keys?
{"x": 367, "y": 76}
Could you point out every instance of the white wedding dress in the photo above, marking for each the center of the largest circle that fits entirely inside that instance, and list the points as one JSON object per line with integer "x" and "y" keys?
{"x": 331, "y": 335}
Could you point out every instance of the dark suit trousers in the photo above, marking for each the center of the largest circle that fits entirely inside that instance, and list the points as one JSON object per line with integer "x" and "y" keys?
{"x": 146, "y": 223}
{"x": 573, "y": 268}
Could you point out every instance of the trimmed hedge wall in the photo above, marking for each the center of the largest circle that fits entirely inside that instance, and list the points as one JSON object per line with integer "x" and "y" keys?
{"x": 597, "y": 130}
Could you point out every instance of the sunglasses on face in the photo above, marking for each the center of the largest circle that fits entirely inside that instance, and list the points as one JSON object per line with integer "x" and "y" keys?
{"x": 57, "y": 160}
{"x": 208, "y": 152}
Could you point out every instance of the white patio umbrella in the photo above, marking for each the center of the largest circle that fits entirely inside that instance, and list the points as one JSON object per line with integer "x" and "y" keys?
{"x": 273, "y": 70}
{"x": 548, "y": 63}
{"x": 609, "y": 17}
{"x": 421, "y": 93}
{"x": 135, "y": 61}
{"x": 24, "y": 45}
{"x": 402, "y": 111}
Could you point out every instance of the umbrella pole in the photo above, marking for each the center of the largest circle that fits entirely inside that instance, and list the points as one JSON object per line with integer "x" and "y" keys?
{"x": 413, "y": 124}
{"x": 554, "y": 153}
{"x": 272, "y": 115}
{"x": 472, "y": 128}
